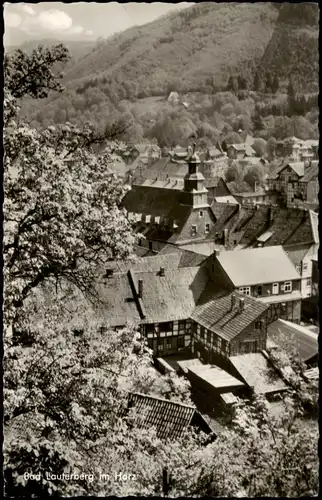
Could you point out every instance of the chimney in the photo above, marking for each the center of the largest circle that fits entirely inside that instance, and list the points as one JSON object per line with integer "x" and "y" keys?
{"x": 140, "y": 286}
{"x": 241, "y": 305}
{"x": 162, "y": 271}
{"x": 216, "y": 253}
{"x": 233, "y": 301}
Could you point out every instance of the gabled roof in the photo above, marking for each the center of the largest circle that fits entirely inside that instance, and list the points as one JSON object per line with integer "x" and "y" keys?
{"x": 218, "y": 316}
{"x": 172, "y": 296}
{"x": 257, "y": 373}
{"x": 170, "y": 418}
{"x": 256, "y": 266}
{"x": 302, "y": 339}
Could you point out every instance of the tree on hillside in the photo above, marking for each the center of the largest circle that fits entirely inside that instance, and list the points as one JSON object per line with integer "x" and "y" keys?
{"x": 268, "y": 83}
{"x": 232, "y": 85}
{"x": 259, "y": 146}
{"x": 257, "y": 82}
{"x": 291, "y": 89}
{"x": 275, "y": 84}
{"x": 242, "y": 82}
{"x": 255, "y": 176}
{"x": 271, "y": 148}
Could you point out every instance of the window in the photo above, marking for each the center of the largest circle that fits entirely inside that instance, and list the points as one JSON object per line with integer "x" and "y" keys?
{"x": 182, "y": 324}
{"x": 308, "y": 282}
{"x": 207, "y": 228}
{"x": 193, "y": 230}
{"x": 275, "y": 289}
{"x": 209, "y": 337}
{"x": 201, "y": 213}
{"x": 245, "y": 290}
{"x": 166, "y": 327}
{"x": 258, "y": 325}
{"x": 169, "y": 344}
{"x": 150, "y": 245}
{"x": 181, "y": 341}
{"x": 248, "y": 346}
{"x": 149, "y": 329}
{"x": 259, "y": 290}
{"x": 202, "y": 332}
{"x": 298, "y": 268}
{"x": 161, "y": 347}
{"x": 287, "y": 286}
{"x": 305, "y": 266}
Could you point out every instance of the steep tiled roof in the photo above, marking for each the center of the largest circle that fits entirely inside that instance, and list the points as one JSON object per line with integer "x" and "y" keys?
{"x": 257, "y": 372}
{"x": 227, "y": 322}
{"x": 302, "y": 339}
{"x": 257, "y": 266}
{"x": 172, "y": 296}
{"x": 187, "y": 257}
{"x": 168, "y": 417}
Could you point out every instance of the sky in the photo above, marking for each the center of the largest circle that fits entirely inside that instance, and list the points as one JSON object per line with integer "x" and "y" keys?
{"x": 77, "y": 21}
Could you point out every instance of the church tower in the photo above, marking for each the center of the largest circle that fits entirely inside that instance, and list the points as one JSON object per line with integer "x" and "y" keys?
{"x": 194, "y": 183}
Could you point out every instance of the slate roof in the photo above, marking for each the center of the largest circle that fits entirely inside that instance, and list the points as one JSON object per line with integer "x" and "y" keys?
{"x": 257, "y": 266}
{"x": 168, "y": 417}
{"x": 302, "y": 339}
{"x": 257, "y": 373}
{"x": 173, "y": 296}
{"x": 218, "y": 316}
{"x": 151, "y": 200}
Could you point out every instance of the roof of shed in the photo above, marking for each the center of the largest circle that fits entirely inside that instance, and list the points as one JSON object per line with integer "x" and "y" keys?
{"x": 257, "y": 372}
{"x": 214, "y": 376}
{"x": 170, "y": 418}
{"x": 218, "y": 316}
{"x": 257, "y": 265}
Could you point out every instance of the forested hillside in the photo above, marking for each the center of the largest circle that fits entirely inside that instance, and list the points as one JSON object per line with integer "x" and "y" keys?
{"x": 200, "y": 52}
